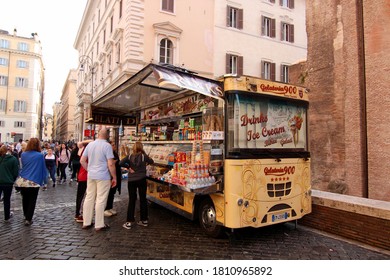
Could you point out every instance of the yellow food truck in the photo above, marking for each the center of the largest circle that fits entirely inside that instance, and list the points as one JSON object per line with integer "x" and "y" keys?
{"x": 231, "y": 152}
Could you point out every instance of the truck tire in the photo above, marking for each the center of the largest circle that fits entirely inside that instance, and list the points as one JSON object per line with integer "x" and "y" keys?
{"x": 208, "y": 219}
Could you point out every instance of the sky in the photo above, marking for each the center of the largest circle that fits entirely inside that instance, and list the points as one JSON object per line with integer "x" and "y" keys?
{"x": 57, "y": 24}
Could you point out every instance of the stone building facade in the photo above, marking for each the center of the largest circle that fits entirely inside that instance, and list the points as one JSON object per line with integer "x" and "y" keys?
{"x": 22, "y": 81}
{"x": 347, "y": 75}
{"x": 117, "y": 38}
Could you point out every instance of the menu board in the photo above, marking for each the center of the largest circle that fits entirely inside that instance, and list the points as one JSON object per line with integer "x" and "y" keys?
{"x": 269, "y": 124}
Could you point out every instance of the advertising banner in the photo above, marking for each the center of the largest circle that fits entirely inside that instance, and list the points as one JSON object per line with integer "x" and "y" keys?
{"x": 269, "y": 124}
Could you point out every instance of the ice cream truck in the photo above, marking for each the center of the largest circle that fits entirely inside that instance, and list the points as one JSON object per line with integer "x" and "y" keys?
{"x": 230, "y": 152}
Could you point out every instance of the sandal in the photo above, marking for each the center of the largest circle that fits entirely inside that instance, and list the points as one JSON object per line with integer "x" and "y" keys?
{"x": 87, "y": 227}
{"x": 106, "y": 227}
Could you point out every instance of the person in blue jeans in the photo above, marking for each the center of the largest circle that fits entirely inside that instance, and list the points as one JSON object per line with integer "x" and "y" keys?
{"x": 50, "y": 161}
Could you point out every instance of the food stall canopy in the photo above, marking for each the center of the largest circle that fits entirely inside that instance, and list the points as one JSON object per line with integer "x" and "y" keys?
{"x": 151, "y": 86}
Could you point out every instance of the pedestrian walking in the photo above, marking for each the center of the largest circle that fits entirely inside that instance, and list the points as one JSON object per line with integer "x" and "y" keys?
{"x": 82, "y": 177}
{"x": 64, "y": 157}
{"x": 109, "y": 211}
{"x": 32, "y": 177}
{"x": 9, "y": 171}
{"x": 136, "y": 163}
{"x": 74, "y": 162}
{"x": 98, "y": 160}
{"x": 50, "y": 162}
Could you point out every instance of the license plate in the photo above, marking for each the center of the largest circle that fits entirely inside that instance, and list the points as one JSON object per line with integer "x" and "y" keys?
{"x": 279, "y": 217}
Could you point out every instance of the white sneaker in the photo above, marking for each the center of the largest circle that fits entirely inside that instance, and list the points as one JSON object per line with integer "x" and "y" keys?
{"x": 107, "y": 213}
{"x": 127, "y": 225}
{"x": 113, "y": 212}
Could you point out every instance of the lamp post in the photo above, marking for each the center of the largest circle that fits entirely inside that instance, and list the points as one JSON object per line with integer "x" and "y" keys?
{"x": 87, "y": 66}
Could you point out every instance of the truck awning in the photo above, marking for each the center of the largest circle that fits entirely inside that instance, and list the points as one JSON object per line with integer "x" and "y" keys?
{"x": 153, "y": 85}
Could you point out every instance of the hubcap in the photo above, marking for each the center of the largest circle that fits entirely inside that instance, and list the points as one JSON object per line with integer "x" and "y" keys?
{"x": 208, "y": 217}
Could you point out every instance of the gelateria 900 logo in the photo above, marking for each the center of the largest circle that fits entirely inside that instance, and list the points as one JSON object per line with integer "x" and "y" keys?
{"x": 279, "y": 171}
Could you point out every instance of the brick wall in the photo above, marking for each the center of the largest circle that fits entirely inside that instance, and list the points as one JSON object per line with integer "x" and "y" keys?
{"x": 347, "y": 74}
{"x": 363, "y": 220}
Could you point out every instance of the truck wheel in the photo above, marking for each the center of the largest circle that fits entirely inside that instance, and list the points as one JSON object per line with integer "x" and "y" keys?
{"x": 208, "y": 219}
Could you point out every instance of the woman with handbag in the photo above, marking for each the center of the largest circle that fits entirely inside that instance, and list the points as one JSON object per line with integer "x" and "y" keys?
{"x": 9, "y": 170}
{"x": 136, "y": 163}
{"x": 31, "y": 178}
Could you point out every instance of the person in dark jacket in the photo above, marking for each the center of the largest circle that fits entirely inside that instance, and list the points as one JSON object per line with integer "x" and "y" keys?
{"x": 136, "y": 164}
{"x": 74, "y": 162}
{"x": 51, "y": 165}
{"x": 9, "y": 170}
{"x": 109, "y": 211}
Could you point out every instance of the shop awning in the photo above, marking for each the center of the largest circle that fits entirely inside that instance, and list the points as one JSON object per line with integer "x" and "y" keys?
{"x": 153, "y": 85}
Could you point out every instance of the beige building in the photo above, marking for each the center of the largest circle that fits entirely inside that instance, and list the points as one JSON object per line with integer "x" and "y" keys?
{"x": 47, "y": 132}
{"x": 56, "y": 121}
{"x": 118, "y": 38}
{"x": 21, "y": 87}
{"x": 67, "y": 108}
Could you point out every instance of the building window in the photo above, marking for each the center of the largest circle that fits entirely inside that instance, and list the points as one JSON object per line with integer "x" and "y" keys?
{"x": 3, "y": 103}
{"x": 118, "y": 53}
{"x": 166, "y": 51}
{"x": 20, "y": 106}
{"x": 23, "y": 47}
{"x": 284, "y": 73}
{"x": 104, "y": 36}
{"x": 19, "y": 124}
{"x": 235, "y": 17}
{"x": 287, "y": 3}
{"x": 287, "y": 32}
{"x": 21, "y": 82}
{"x": 168, "y": 5}
{"x": 234, "y": 64}
{"x": 268, "y": 70}
{"x": 4, "y": 44}
{"x": 3, "y": 61}
{"x": 271, "y": 1}
{"x": 3, "y": 80}
{"x": 2, "y": 123}
{"x": 112, "y": 24}
{"x": 268, "y": 27}
{"x": 120, "y": 8}
{"x": 22, "y": 64}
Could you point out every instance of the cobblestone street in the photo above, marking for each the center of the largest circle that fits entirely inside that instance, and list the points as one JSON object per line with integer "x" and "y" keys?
{"x": 55, "y": 235}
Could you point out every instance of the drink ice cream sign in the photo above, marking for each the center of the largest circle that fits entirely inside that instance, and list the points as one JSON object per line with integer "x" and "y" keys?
{"x": 269, "y": 124}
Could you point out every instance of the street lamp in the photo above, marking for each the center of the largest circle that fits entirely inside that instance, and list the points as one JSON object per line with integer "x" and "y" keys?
{"x": 87, "y": 66}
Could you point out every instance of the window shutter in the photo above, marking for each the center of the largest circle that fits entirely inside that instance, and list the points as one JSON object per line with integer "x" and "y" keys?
{"x": 170, "y": 5}
{"x": 281, "y": 73}
{"x": 227, "y": 68}
{"x": 291, "y": 34}
{"x": 273, "y": 28}
{"x": 262, "y": 26}
{"x": 240, "y": 19}
{"x": 282, "y": 31}
{"x": 164, "y": 5}
{"x": 262, "y": 69}
{"x": 273, "y": 66}
{"x": 240, "y": 66}
{"x": 291, "y": 4}
{"x": 228, "y": 16}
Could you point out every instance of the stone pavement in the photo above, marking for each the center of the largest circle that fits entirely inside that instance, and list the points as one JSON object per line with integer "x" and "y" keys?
{"x": 55, "y": 235}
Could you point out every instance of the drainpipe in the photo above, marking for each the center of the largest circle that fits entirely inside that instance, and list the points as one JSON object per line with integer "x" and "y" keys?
{"x": 363, "y": 94}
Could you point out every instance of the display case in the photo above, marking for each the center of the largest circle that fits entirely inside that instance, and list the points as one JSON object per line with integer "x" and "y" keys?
{"x": 186, "y": 157}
